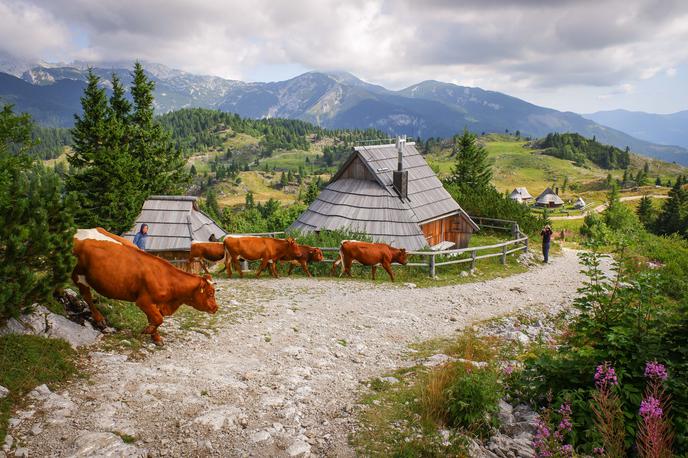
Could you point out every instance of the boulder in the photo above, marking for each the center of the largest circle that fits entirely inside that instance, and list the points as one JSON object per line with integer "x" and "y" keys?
{"x": 107, "y": 445}
{"x": 42, "y": 322}
{"x": 3, "y": 392}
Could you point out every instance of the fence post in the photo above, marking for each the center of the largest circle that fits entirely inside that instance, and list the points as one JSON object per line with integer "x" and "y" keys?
{"x": 474, "y": 253}
{"x": 431, "y": 265}
{"x": 504, "y": 254}
{"x": 526, "y": 243}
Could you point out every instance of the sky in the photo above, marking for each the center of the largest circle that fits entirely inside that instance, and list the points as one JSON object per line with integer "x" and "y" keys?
{"x": 572, "y": 55}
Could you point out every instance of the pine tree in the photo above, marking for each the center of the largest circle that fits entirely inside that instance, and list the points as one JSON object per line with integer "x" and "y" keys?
{"x": 283, "y": 179}
{"x": 658, "y": 182}
{"x": 160, "y": 164}
{"x": 673, "y": 219}
{"x": 311, "y": 193}
{"x": 211, "y": 205}
{"x": 250, "y": 202}
{"x": 471, "y": 168}
{"x": 103, "y": 175}
{"x": 645, "y": 212}
{"x": 37, "y": 229}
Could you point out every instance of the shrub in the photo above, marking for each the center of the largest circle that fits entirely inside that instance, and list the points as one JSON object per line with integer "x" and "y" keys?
{"x": 473, "y": 400}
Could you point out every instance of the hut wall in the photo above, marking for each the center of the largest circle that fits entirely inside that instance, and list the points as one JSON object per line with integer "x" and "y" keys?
{"x": 358, "y": 171}
{"x": 179, "y": 260}
{"x": 455, "y": 228}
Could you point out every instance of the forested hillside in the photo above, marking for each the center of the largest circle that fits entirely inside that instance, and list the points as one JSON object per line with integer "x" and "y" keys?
{"x": 575, "y": 147}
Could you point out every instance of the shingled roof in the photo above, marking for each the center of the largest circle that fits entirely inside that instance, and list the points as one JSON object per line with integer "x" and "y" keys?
{"x": 173, "y": 223}
{"x": 373, "y": 206}
{"x": 548, "y": 196}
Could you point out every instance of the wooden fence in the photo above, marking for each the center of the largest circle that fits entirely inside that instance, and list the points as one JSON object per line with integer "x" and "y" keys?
{"x": 518, "y": 242}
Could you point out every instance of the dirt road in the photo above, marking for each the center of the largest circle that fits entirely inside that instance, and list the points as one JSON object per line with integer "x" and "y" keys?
{"x": 276, "y": 373}
{"x": 603, "y": 207}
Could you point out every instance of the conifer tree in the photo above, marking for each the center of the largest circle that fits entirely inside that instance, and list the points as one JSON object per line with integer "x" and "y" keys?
{"x": 645, "y": 212}
{"x": 37, "y": 226}
{"x": 104, "y": 175}
{"x": 471, "y": 168}
{"x": 674, "y": 215}
{"x": 160, "y": 164}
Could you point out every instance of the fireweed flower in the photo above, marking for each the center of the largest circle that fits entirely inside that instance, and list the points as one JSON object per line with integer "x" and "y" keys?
{"x": 567, "y": 449}
{"x": 605, "y": 376}
{"x": 655, "y": 370}
{"x": 598, "y": 451}
{"x": 650, "y": 408}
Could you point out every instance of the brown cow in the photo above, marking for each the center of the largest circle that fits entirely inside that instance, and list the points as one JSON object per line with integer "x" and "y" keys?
{"x": 268, "y": 250}
{"x": 368, "y": 254}
{"x": 118, "y": 271}
{"x": 306, "y": 254}
{"x": 212, "y": 251}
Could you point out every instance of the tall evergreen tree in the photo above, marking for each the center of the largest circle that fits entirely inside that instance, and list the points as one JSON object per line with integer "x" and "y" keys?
{"x": 673, "y": 219}
{"x": 160, "y": 164}
{"x": 37, "y": 226}
{"x": 471, "y": 168}
{"x": 104, "y": 176}
{"x": 645, "y": 212}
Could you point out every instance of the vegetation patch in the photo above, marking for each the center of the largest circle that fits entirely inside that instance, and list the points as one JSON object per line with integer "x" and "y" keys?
{"x": 28, "y": 361}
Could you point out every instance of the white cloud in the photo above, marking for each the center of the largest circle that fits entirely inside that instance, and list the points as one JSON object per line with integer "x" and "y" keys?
{"x": 30, "y": 32}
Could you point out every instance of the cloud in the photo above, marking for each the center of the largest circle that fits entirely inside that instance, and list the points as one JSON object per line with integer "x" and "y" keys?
{"x": 497, "y": 44}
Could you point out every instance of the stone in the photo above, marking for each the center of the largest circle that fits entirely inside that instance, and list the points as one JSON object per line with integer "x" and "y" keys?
{"x": 410, "y": 285}
{"x": 464, "y": 273}
{"x": 299, "y": 448}
{"x": 22, "y": 452}
{"x": 36, "y": 430}
{"x": 437, "y": 360}
{"x": 218, "y": 418}
{"x": 92, "y": 444}
{"x": 390, "y": 380}
{"x": 9, "y": 441}
{"x": 42, "y": 322}
{"x": 3, "y": 392}
{"x": 260, "y": 436}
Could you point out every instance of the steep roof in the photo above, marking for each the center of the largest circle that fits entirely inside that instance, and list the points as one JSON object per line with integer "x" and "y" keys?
{"x": 521, "y": 193}
{"x": 373, "y": 206}
{"x": 173, "y": 223}
{"x": 548, "y": 196}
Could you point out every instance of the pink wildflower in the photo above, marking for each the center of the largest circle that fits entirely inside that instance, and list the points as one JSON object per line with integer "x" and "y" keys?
{"x": 655, "y": 370}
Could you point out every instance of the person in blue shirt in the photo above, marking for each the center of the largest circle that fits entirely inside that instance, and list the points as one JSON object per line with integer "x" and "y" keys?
{"x": 141, "y": 236}
{"x": 546, "y": 237}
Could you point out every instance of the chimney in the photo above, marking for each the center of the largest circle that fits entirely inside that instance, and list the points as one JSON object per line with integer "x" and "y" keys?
{"x": 556, "y": 190}
{"x": 400, "y": 176}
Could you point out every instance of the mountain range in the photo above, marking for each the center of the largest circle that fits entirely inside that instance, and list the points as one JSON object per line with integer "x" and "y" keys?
{"x": 666, "y": 129}
{"x": 50, "y": 93}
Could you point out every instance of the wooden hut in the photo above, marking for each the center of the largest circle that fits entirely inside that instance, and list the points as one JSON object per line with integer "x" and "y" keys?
{"x": 579, "y": 204}
{"x": 520, "y": 195}
{"x": 173, "y": 223}
{"x": 549, "y": 198}
{"x": 390, "y": 193}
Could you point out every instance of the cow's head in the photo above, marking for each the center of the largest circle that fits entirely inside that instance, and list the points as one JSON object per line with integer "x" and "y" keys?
{"x": 315, "y": 254}
{"x": 204, "y": 295}
{"x": 400, "y": 256}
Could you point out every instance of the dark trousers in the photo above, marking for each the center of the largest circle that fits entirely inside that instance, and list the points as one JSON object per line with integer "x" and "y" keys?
{"x": 545, "y": 251}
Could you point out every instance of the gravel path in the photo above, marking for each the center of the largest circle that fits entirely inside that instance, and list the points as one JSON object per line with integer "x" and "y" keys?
{"x": 276, "y": 373}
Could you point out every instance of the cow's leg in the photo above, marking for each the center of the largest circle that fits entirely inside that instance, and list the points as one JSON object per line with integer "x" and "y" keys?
{"x": 335, "y": 264}
{"x": 388, "y": 268}
{"x": 205, "y": 266}
{"x": 154, "y": 320}
{"x": 263, "y": 265}
{"x": 373, "y": 269}
{"x": 237, "y": 266}
{"x": 273, "y": 269}
{"x": 291, "y": 268}
{"x": 79, "y": 280}
{"x": 347, "y": 266}
{"x": 228, "y": 265}
{"x": 304, "y": 266}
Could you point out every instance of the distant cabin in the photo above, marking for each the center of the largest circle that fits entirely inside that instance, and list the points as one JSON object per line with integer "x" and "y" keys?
{"x": 579, "y": 204}
{"x": 173, "y": 223}
{"x": 549, "y": 198}
{"x": 520, "y": 195}
{"x": 390, "y": 193}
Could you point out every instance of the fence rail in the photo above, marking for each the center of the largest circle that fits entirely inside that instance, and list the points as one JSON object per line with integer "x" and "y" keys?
{"x": 519, "y": 242}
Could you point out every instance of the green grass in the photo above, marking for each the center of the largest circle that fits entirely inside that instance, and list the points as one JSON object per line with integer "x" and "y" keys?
{"x": 29, "y": 361}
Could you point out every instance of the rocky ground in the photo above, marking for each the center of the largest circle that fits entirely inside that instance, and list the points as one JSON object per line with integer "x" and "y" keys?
{"x": 275, "y": 373}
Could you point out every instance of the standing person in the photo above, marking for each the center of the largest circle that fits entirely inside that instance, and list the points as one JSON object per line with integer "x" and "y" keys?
{"x": 141, "y": 236}
{"x": 546, "y": 234}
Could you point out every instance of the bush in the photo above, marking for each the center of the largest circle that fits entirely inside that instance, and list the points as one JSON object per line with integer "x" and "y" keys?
{"x": 625, "y": 322}
{"x": 473, "y": 400}
{"x": 37, "y": 229}
{"x": 489, "y": 203}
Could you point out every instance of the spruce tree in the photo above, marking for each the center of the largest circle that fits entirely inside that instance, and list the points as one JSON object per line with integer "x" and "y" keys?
{"x": 37, "y": 229}
{"x": 160, "y": 164}
{"x": 104, "y": 176}
{"x": 471, "y": 168}
{"x": 645, "y": 212}
{"x": 673, "y": 219}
